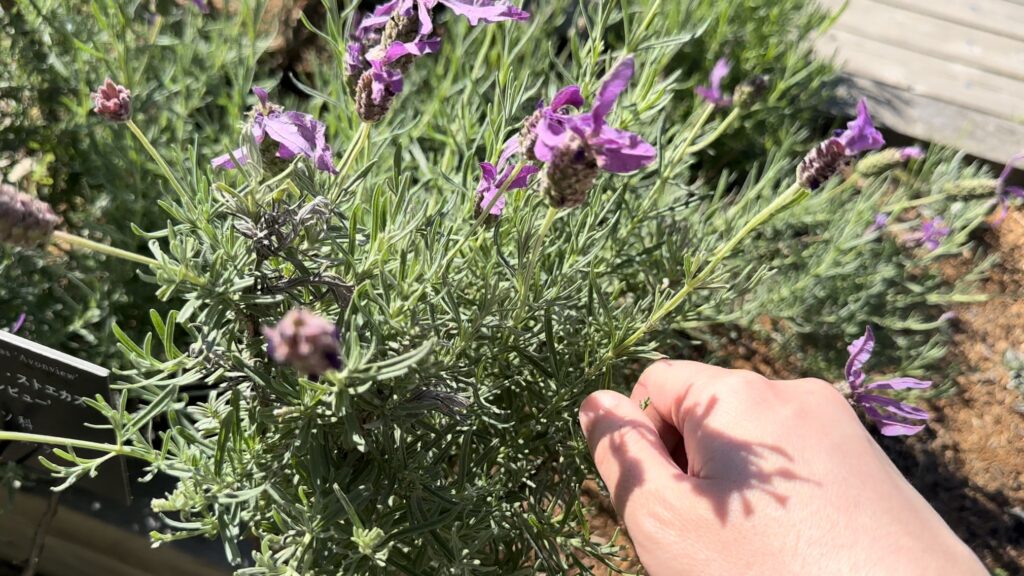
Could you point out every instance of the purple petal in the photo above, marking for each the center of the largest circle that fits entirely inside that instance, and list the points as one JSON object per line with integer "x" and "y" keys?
{"x": 510, "y": 149}
{"x": 378, "y": 19}
{"x": 892, "y": 425}
{"x": 286, "y": 131}
{"x": 911, "y": 152}
{"x": 18, "y": 323}
{"x": 522, "y": 179}
{"x": 568, "y": 96}
{"x": 621, "y": 152}
{"x": 860, "y": 134}
{"x": 486, "y": 10}
{"x": 426, "y": 24}
{"x": 1014, "y": 192}
{"x": 385, "y": 80}
{"x": 1009, "y": 166}
{"x": 614, "y": 86}
{"x": 881, "y": 220}
{"x": 860, "y": 352}
{"x": 901, "y": 383}
{"x": 419, "y": 47}
{"x": 713, "y": 97}
{"x": 490, "y": 173}
{"x": 893, "y": 406}
{"x": 713, "y": 93}
{"x": 224, "y": 162}
{"x": 719, "y": 72}
{"x": 552, "y": 134}
{"x": 202, "y": 6}
{"x": 261, "y": 94}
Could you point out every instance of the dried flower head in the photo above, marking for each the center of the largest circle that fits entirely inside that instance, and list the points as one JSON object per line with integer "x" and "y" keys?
{"x": 25, "y": 221}
{"x": 713, "y": 94}
{"x": 112, "y": 101}
{"x": 305, "y": 341}
{"x": 295, "y": 134}
{"x": 376, "y": 91}
{"x": 894, "y": 418}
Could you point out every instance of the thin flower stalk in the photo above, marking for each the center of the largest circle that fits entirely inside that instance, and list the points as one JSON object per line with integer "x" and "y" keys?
{"x": 792, "y": 195}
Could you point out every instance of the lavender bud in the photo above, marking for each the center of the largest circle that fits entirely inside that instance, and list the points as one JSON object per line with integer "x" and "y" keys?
{"x": 570, "y": 175}
{"x": 750, "y": 91}
{"x": 821, "y": 163}
{"x": 112, "y": 101}
{"x": 305, "y": 341}
{"x": 879, "y": 163}
{"x": 973, "y": 187}
{"x": 24, "y": 221}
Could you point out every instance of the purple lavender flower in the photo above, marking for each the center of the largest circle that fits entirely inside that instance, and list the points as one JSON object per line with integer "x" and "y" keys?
{"x": 575, "y": 148}
{"x": 296, "y": 133}
{"x": 860, "y": 134}
{"x": 881, "y": 220}
{"x": 565, "y": 102}
{"x": 1004, "y": 193}
{"x": 474, "y": 10}
{"x": 112, "y": 101}
{"x": 307, "y": 342}
{"x": 202, "y": 6}
{"x": 614, "y": 150}
{"x": 489, "y": 191}
{"x": 713, "y": 94}
{"x": 894, "y": 418}
{"x": 827, "y": 158}
{"x": 931, "y": 234}
{"x": 910, "y": 153}
{"x": 18, "y": 323}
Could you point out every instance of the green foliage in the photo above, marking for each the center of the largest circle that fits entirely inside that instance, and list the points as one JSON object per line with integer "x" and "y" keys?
{"x": 188, "y": 75}
{"x": 448, "y": 443}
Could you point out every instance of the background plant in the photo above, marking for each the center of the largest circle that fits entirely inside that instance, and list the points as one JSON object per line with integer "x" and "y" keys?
{"x": 448, "y": 442}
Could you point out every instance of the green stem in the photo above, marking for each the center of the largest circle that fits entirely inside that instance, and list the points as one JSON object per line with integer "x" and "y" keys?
{"x": 651, "y": 14}
{"x": 450, "y": 257}
{"x": 485, "y": 211}
{"x": 157, "y": 158}
{"x": 781, "y": 202}
{"x": 70, "y": 443}
{"x": 681, "y": 151}
{"x": 92, "y": 246}
{"x": 362, "y": 138}
{"x": 531, "y": 263}
{"x": 729, "y": 121}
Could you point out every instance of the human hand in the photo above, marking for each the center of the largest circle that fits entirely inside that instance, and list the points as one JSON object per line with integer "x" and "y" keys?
{"x": 727, "y": 472}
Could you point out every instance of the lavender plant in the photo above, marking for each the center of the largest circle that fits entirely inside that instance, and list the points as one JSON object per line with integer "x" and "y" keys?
{"x": 373, "y": 365}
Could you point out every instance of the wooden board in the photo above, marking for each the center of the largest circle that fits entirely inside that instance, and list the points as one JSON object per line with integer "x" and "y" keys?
{"x": 944, "y": 71}
{"x": 995, "y": 16}
{"x": 930, "y": 120}
{"x": 956, "y": 43}
{"x": 925, "y": 75}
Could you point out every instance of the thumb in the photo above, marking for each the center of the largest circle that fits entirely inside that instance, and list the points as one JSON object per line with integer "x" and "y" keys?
{"x": 630, "y": 456}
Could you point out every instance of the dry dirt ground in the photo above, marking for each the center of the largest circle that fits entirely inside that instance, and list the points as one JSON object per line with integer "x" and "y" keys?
{"x": 970, "y": 462}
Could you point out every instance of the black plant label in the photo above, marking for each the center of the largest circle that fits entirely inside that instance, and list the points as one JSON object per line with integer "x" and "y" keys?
{"x": 43, "y": 391}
